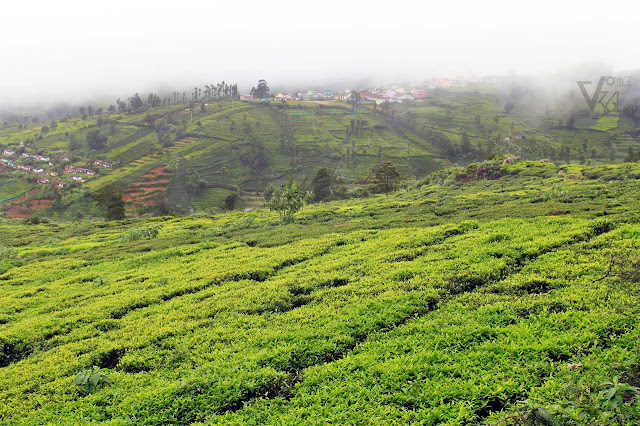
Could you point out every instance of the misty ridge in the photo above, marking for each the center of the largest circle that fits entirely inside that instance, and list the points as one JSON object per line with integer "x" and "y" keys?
{"x": 535, "y": 92}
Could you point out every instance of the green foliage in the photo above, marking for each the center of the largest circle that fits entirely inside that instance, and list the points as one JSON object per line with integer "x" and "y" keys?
{"x": 110, "y": 200}
{"x": 268, "y": 191}
{"x": 99, "y": 281}
{"x": 327, "y": 185}
{"x": 287, "y": 200}
{"x": 386, "y": 177}
{"x": 142, "y": 233}
{"x": 8, "y": 252}
{"x": 231, "y": 201}
{"x": 52, "y": 242}
{"x": 96, "y": 140}
{"x": 91, "y": 379}
{"x": 531, "y": 415}
{"x": 613, "y": 404}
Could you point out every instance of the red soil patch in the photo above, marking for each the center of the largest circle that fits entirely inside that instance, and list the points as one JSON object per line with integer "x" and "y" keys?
{"x": 40, "y": 204}
{"x": 160, "y": 180}
{"x": 129, "y": 195}
{"x": 17, "y": 200}
{"x": 157, "y": 170}
{"x": 150, "y": 188}
{"x": 18, "y": 212}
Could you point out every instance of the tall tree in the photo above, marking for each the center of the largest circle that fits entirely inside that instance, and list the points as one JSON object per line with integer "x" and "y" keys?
{"x": 110, "y": 200}
{"x": 262, "y": 91}
{"x": 386, "y": 177}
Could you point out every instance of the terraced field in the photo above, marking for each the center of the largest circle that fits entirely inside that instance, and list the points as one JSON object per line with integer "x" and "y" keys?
{"x": 148, "y": 189}
{"x": 445, "y": 303}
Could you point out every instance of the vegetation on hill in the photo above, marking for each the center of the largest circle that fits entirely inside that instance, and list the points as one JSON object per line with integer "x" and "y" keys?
{"x": 231, "y": 146}
{"x": 487, "y": 294}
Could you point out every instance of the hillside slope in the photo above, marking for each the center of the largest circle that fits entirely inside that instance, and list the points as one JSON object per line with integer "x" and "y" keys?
{"x": 241, "y": 147}
{"x": 448, "y": 303}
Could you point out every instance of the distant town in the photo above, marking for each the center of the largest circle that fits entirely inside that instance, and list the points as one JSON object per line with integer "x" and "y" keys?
{"x": 393, "y": 93}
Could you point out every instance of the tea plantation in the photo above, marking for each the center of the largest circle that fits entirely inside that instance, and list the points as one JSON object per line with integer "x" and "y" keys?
{"x": 453, "y": 301}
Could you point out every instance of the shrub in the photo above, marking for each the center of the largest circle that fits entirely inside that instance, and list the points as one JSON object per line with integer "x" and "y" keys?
{"x": 91, "y": 379}
{"x": 287, "y": 200}
{"x": 142, "y": 233}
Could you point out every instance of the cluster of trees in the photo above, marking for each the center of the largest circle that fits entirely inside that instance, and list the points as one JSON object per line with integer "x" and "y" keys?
{"x": 356, "y": 127}
{"x": 96, "y": 140}
{"x": 326, "y": 185}
{"x": 632, "y": 156}
{"x": 212, "y": 92}
{"x": 262, "y": 91}
{"x": 355, "y": 99}
{"x": 632, "y": 110}
{"x": 219, "y": 91}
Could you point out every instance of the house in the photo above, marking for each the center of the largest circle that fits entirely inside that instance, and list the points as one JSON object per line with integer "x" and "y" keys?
{"x": 69, "y": 168}
{"x": 60, "y": 183}
{"x": 419, "y": 93}
{"x": 389, "y": 93}
{"x": 102, "y": 164}
{"x": 8, "y": 153}
{"x": 443, "y": 82}
{"x": 246, "y": 97}
{"x": 43, "y": 180}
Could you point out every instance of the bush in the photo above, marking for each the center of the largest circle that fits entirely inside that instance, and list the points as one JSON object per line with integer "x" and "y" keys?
{"x": 91, "y": 379}
{"x": 142, "y": 233}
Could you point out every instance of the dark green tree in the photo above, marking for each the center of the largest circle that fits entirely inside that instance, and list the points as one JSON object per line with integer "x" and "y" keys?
{"x": 466, "y": 144}
{"x": 262, "y": 91}
{"x": 231, "y": 201}
{"x": 386, "y": 178}
{"x": 74, "y": 144}
{"x": 96, "y": 140}
{"x": 326, "y": 185}
{"x": 136, "y": 102}
{"x": 110, "y": 200}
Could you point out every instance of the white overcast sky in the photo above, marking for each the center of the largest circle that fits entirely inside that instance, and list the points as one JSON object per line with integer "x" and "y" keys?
{"x": 64, "y": 50}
